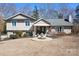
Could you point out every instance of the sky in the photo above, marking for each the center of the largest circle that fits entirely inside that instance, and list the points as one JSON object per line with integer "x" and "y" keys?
{"x": 53, "y": 5}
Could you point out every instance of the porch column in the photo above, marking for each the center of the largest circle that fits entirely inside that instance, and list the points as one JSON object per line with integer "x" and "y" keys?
{"x": 46, "y": 29}
{"x": 34, "y": 31}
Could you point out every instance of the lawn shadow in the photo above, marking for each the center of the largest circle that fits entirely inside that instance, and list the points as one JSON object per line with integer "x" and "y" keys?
{"x": 6, "y": 39}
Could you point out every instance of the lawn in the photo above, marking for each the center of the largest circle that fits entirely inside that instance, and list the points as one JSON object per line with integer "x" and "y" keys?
{"x": 66, "y": 45}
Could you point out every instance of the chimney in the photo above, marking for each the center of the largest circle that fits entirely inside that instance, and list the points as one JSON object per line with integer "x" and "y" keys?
{"x": 70, "y": 19}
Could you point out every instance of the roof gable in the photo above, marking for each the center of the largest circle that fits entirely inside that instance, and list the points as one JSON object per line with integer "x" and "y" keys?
{"x": 41, "y": 22}
{"x": 20, "y": 16}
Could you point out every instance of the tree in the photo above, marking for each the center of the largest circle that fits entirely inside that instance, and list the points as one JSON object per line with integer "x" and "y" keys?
{"x": 35, "y": 13}
{"x": 60, "y": 15}
{"x": 1, "y": 25}
{"x": 76, "y": 21}
{"x": 7, "y": 9}
{"x": 77, "y": 9}
{"x": 63, "y": 9}
{"x": 77, "y": 12}
{"x": 46, "y": 11}
{"x": 4, "y": 29}
{"x": 25, "y": 9}
{"x": 52, "y": 14}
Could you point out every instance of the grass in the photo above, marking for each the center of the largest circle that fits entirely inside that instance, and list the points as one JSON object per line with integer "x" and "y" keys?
{"x": 65, "y": 46}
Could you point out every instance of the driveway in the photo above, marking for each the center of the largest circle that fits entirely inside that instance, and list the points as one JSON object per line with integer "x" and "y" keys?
{"x": 67, "y": 45}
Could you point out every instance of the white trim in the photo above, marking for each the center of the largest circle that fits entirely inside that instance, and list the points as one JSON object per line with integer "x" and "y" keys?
{"x": 18, "y": 14}
{"x": 41, "y": 24}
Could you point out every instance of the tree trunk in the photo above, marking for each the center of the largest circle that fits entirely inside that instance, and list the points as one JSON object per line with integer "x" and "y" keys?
{"x": 0, "y": 35}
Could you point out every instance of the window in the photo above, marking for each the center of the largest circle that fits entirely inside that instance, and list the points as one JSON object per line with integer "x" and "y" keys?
{"x": 60, "y": 29}
{"x": 13, "y": 23}
{"x": 27, "y": 23}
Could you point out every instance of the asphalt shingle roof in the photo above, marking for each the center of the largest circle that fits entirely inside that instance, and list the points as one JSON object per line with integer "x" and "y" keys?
{"x": 59, "y": 22}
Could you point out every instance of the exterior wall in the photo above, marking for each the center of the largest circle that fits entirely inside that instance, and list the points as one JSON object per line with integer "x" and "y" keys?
{"x": 19, "y": 26}
{"x": 67, "y": 30}
{"x": 54, "y": 31}
{"x": 20, "y": 23}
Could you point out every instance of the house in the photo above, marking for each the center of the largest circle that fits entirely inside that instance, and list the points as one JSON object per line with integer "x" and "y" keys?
{"x": 25, "y": 23}
{"x": 19, "y": 22}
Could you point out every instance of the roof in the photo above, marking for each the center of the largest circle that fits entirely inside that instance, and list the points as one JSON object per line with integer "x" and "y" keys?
{"x": 40, "y": 20}
{"x": 59, "y": 22}
{"x": 55, "y": 22}
{"x": 20, "y": 14}
{"x": 36, "y": 23}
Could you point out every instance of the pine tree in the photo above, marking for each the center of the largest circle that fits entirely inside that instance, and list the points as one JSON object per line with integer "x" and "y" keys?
{"x": 60, "y": 16}
{"x": 77, "y": 11}
{"x": 35, "y": 13}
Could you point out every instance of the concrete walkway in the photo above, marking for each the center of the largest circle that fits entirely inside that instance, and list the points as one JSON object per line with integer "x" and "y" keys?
{"x": 46, "y": 39}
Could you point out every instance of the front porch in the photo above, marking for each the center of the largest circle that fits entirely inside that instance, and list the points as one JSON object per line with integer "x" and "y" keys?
{"x": 40, "y": 27}
{"x": 40, "y": 33}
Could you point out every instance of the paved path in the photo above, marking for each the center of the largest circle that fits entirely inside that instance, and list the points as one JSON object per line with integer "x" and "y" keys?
{"x": 44, "y": 39}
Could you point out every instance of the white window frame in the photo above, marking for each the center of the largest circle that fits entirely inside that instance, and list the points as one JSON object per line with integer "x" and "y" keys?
{"x": 58, "y": 28}
{"x": 14, "y": 23}
{"x": 27, "y": 22}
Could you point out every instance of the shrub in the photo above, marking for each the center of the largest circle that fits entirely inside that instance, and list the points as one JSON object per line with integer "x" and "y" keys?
{"x": 24, "y": 34}
{"x": 18, "y": 33}
{"x": 61, "y": 34}
{"x": 13, "y": 36}
{"x": 30, "y": 34}
{"x": 75, "y": 29}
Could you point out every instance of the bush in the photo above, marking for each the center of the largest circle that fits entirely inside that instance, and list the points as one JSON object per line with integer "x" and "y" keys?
{"x": 75, "y": 29}
{"x": 30, "y": 34}
{"x": 18, "y": 34}
{"x": 61, "y": 34}
{"x": 13, "y": 36}
{"x": 24, "y": 34}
